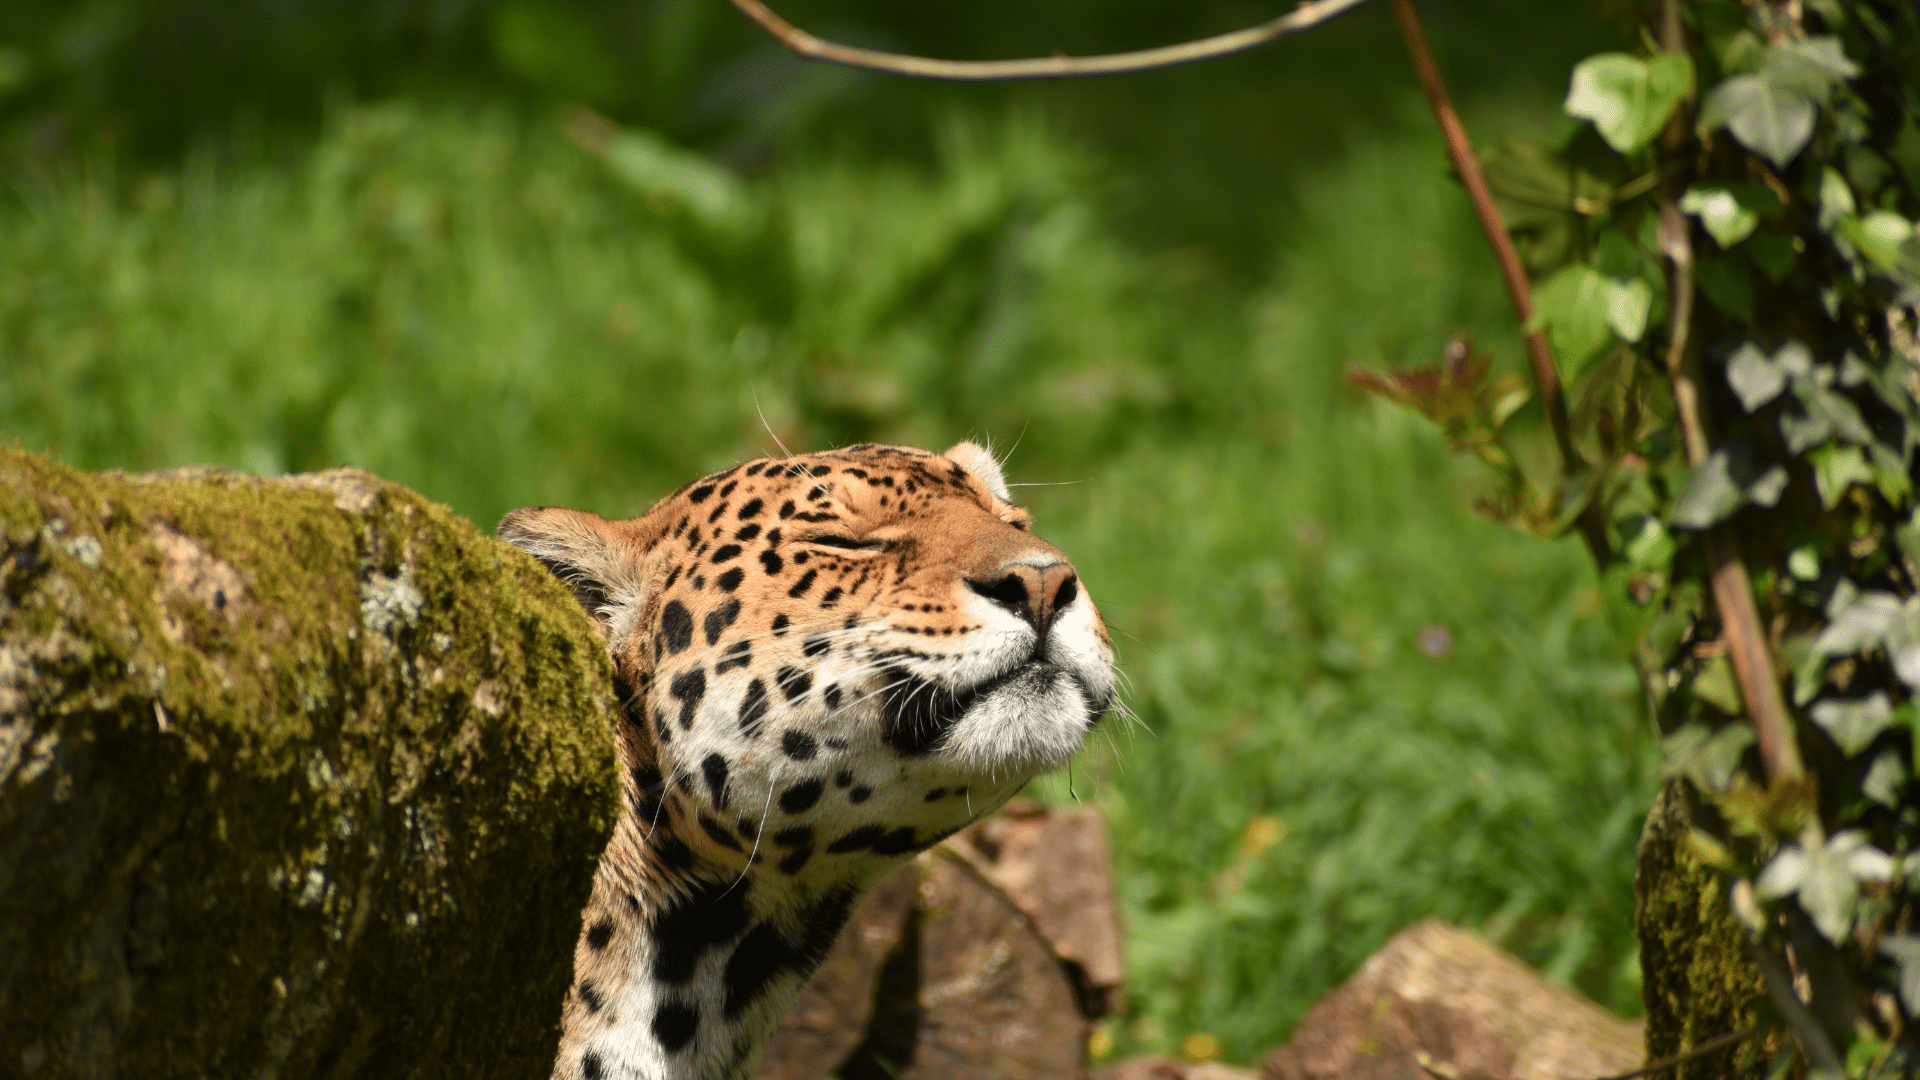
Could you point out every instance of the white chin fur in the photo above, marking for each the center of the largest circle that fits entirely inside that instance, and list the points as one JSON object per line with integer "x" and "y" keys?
{"x": 1033, "y": 724}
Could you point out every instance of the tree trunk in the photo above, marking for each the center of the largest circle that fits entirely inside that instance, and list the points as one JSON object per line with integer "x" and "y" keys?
{"x": 298, "y": 778}
{"x": 1699, "y": 981}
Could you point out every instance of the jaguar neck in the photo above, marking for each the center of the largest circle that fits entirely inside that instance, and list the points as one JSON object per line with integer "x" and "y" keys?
{"x": 688, "y": 959}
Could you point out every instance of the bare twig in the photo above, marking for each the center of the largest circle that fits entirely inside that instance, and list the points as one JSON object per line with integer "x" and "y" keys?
{"x": 1546, "y": 375}
{"x": 1697, "y": 1050}
{"x": 1732, "y": 591}
{"x": 1305, "y": 17}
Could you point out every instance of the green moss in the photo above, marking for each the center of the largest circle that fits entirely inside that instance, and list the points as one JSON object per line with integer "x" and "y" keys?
{"x": 298, "y": 777}
{"x": 1698, "y": 979}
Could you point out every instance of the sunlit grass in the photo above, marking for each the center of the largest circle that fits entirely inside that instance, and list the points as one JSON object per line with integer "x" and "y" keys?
{"x": 475, "y": 306}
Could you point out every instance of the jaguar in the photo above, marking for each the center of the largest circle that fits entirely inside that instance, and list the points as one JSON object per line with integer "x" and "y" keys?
{"x": 827, "y": 663}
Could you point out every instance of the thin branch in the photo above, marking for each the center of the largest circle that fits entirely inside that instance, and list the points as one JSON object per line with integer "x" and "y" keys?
{"x": 1546, "y": 375}
{"x": 1305, "y": 17}
{"x": 1752, "y": 663}
{"x": 1698, "y": 1050}
{"x": 1732, "y": 590}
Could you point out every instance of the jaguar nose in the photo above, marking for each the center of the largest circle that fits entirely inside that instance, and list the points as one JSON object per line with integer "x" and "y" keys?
{"x": 1034, "y": 591}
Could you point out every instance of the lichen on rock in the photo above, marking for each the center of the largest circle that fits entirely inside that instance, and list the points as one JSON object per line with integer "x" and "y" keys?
{"x": 298, "y": 777}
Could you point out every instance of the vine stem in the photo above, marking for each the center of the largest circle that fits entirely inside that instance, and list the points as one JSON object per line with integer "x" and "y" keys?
{"x": 1546, "y": 374}
{"x": 1732, "y": 589}
{"x": 1305, "y": 17}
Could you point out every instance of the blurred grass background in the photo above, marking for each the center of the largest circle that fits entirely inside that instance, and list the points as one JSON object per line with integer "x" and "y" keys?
{"x": 389, "y": 233}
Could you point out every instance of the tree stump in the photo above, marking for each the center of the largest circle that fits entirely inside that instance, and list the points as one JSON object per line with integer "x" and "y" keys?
{"x": 298, "y": 778}
{"x": 987, "y": 958}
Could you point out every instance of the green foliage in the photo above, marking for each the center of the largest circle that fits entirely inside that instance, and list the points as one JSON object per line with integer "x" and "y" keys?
{"x": 1801, "y": 360}
{"x": 1628, "y": 99}
{"x": 832, "y": 296}
{"x": 1772, "y": 110}
{"x": 1317, "y": 631}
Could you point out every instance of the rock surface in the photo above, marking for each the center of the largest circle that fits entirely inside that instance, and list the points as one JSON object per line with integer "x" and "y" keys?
{"x": 298, "y": 778}
{"x": 1437, "y": 1000}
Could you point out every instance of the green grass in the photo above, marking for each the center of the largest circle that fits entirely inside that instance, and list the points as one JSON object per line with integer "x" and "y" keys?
{"x": 470, "y": 304}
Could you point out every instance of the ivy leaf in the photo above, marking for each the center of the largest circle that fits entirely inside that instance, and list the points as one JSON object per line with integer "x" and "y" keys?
{"x": 1545, "y": 194}
{"x": 1530, "y": 177}
{"x": 1768, "y": 119}
{"x": 1830, "y": 888}
{"x": 1757, "y": 378}
{"x": 1834, "y": 411}
{"x": 1651, "y": 548}
{"x": 1628, "y": 302}
{"x": 1906, "y": 273}
{"x": 1884, "y": 779}
{"x": 1860, "y": 621}
{"x": 1809, "y": 666}
{"x": 1711, "y": 851}
{"x": 1814, "y": 65}
{"x": 1801, "y": 432}
{"x": 1628, "y": 99}
{"x": 1724, "y": 218}
{"x": 1904, "y": 951}
{"x": 1887, "y": 383}
{"x": 1772, "y": 110}
{"x": 1717, "y": 686}
{"x": 1864, "y": 861}
{"x": 1879, "y": 236}
{"x": 1784, "y": 874}
{"x": 1824, "y": 414}
{"x": 1765, "y": 489}
{"x": 1743, "y": 52}
{"x": 1711, "y": 495}
{"x": 1837, "y": 468}
{"x": 1803, "y": 562}
{"x": 1853, "y": 725}
{"x": 1907, "y": 535}
{"x": 1572, "y": 307}
{"x": 1836, "y": 199}
{"x": 1722, "y": 484}
{"x": 1707, "y": 757}
{"x": 1825, "y": 878}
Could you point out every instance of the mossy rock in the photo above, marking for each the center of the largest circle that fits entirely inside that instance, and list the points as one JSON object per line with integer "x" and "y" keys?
{"x": 1697, "y": 978}
{"x": 298, "y": 778}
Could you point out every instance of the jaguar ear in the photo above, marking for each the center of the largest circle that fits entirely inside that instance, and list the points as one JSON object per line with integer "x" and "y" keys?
{"x": 979, "y": 461}
{"x": 600, "y": 560}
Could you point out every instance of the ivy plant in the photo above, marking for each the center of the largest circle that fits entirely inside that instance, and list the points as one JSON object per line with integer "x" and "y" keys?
{"x": 1723, "y": 256}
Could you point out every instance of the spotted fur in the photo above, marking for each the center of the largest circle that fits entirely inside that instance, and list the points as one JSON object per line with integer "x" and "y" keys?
{"x": 829, "y": 662}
